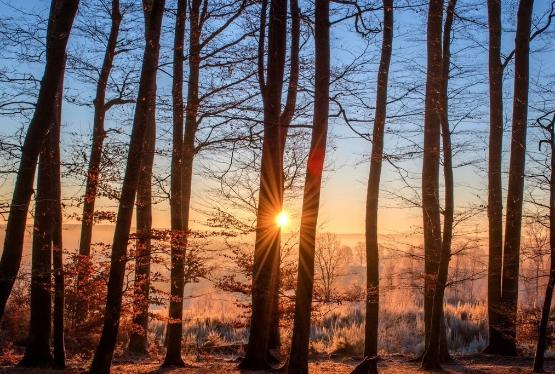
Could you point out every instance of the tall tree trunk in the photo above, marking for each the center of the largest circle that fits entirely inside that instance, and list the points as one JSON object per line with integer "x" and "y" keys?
{"x": 546, "y": 310}
{"x": 175, "y": 322}
{"x": 57, "y": 242}
{"x": 104, "y": 352}
{"x": 286, "y": 118}
{"x": 266, "y": 251}
{"x": 174, "y": 330}
{"x": 62, "y": 14}
{"x": 373, "y": 191}
{"x": 138, "y": 342}
{"x": 430, "y": 166}
{"x": 433, "y": 355}
{"x": 93, "y": 172}
{"x": 495, "y": 193}
{"x": 511, "y": 255}
{"x": 99, "y": 134}
{"x": 298, "y": 357}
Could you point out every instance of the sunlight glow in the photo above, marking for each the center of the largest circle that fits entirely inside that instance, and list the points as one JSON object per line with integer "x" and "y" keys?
{"x": 282, "y": 219}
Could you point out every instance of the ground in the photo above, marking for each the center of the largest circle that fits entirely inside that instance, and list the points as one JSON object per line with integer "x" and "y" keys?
{"x": 388, "y": 365}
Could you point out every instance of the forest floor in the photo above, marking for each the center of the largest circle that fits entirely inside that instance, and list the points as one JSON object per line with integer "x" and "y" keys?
{"x": 395, "y": 364}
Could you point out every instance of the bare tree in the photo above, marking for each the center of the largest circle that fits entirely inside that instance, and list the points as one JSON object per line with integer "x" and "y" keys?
{"x": 372, "y": 195}
{"x": 174, "y": 328}
{"x": 61, "y": 18}
{"x": 298, "y": 357}
{"x": 104, "y": 352}
{"x": 138, "y": 343}
{"x": 270, "y": 196}
{"x": 513, "y": 223}
{"x": 432, "y": 357}
{"x": 548, "y": 125}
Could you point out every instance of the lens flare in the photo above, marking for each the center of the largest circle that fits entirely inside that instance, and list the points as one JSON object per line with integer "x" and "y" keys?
{"x": 282, "y": 219}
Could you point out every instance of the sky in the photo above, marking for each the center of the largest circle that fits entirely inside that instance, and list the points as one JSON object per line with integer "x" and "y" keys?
{"x": 344, "y": 190}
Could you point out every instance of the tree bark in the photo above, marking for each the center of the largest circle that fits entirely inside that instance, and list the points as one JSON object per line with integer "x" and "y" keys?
{"x": 298, "y": 357}
{"x": 286, "y": 118}
{"x": 433, "y": 355}
{"x": 546, "y": 310}
{"x": 373, "y": 191}
{"x": 99, "y": 134}
{"x": 174, "y": 326}
{"x": 61, "y": 19}
{"x": 511, "y": 255}
{"x": 57, "y": 229}
{"x": 430, "y": 165}
{"x": 104, "y": 352}
{"x": 138, "y": 342}
{"x": 95, "y": 158}
{"x": 495, "y": 193}
{"x": 266, "y": 251}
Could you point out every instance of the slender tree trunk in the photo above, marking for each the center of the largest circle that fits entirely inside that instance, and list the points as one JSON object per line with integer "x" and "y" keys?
{"x": 433, "y": 355}
{"x": 173, "y": 354}
{"x": 59, "y": 27}
{"x": 174, "y": 330}
{"x": 511, "y": 256}
{"x": 373, "y": 191}
{"x": 138, "y": 341}
{"x": 266, "y": 251}
{"x": 285, "y": 121}
{"x": 495, "y": 193}
{"x": 104, "y": 352}
{"x": 95, "y": 158}
{"x": 546, "y": 310}
{"x": 57, "y": 229}
{"x": 298, "y": 357}
{"x": 99, "y": 134}
{"x": 430, "y": 166}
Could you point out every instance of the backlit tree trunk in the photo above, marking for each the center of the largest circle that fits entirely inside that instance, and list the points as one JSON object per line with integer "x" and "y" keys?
{"x": 95, "y": 158}
{"x": 181, "y": 180}
{"x": 59, "y": 27}
{"x": 138, "y": 342}
{"x": 495, "y": 193}
{"x": 298, "y": 357}
{"x": 430, "y": 166}
{"x": 99, "y": 134}
{"x": 433, "y": 355}
{"x": 372, "y": 195}
{"x": 57, "y": 229}
{"x": 546, "y": 310}
{"x": 104, "y": 352}
{"x": 511, "y": 253}
{"x": 285, "y": 121}
{"x": 266, "y": 251}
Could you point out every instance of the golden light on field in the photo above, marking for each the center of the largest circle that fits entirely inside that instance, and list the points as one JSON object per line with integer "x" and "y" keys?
{"x": 282, "y": 219}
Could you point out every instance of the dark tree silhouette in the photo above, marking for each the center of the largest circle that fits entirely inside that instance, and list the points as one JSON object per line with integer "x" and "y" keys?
{"x": 432, "y": 357}
{"x": 430, "y": 165}
{"x": 62, "y": 14}
{"x": 513, "y": 223}
{"x": 59, "y": 361}
{"x": 495, "y": 193}
{"x": 104, "y": 352}
{"x": 99, "y": 134}
{"x": 47, "y": 219}
{"x": 174, "y": 328}
{"x": 373, "y": 190}
{"x": 138, "y": 342}
{"x": 298, "y": 357}
{"x": 549, "y": 128}
{"x": 270, "y": 195}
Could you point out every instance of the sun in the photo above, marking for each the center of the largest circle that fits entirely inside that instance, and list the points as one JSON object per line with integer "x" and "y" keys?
{"x": 282, "y": 219}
